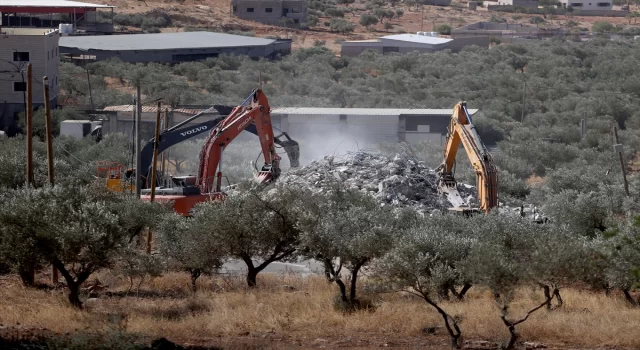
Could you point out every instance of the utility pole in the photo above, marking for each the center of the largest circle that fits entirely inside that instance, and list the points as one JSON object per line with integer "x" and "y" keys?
{"x": 154, "y": 166}
{"x": 618, "y": 148}
{"x": 138, "y": 141}
{"x": 163, "y": 157}
{"x": 90, "y": 92}
{"x": 524, "y": 97}
{"x": 29, "y": 121}
{"x": 422, "y": 19}
{"x": 47, "y": 110}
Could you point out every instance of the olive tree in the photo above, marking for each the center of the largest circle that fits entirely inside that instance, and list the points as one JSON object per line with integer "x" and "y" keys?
{"x": 253, "y": 225}
{"x": 425, "y": 259}
{"x": 79, "y": 230}
{"x": 623, "y": 250}
{"x": 502, "y": 260}
{"x": 187, "y": 242}
{"x": 345, "y": 228}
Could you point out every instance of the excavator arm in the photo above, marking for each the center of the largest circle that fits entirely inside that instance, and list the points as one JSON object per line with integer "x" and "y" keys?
{"x": 462, "y": 130}
{"x": 254, "y": 112}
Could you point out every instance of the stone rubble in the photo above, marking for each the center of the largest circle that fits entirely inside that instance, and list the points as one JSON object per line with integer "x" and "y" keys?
{"x": 397, "y": 181}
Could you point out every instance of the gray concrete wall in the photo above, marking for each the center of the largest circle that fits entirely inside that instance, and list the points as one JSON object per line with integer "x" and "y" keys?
{"x": 354, "y": 49}
{"x": 183, "y": 55}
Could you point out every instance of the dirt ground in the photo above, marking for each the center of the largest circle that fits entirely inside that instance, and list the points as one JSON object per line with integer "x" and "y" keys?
{"x": 287, "y": 311}
{"x": 214, "y": 13}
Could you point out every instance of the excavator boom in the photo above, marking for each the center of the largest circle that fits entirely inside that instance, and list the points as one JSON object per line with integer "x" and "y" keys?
{"x": 253, "y": 115}
{"x": 462, "y": 131}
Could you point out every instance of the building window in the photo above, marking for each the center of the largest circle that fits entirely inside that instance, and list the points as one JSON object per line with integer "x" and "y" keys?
{"x": 20, "y": 56}
{"x": 604, "y": 4}
{"x": 268, "y": 9}
{"x": 249, "y": 9}
{"x": 235, "y": 9}
{"x": 576, "y": 4}
{"x": 19, "y": 86}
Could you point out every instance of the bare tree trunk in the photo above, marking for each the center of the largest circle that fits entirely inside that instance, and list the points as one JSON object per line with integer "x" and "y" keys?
{"x": 27, "y": 275}
{"x": 74, "y": 294}
{"x": 354, "y": 280}
{"x": 460, "y": 295}
{"x": 511, "y": 325}
{"x": 629, "y": 298}
{"x": 343, "y": 289}
{"x": 547, "y": 295}
{"x": 195, "y": 273}
{"x": 556, "y": 294}
{"x": 252, "y": 277}
{"x": 450, "y": 323}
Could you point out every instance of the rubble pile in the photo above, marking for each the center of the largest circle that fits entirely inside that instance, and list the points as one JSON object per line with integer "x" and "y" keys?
{"x": 397, "y": 181}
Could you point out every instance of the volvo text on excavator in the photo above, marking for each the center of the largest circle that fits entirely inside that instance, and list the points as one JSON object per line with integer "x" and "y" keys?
{"x": 252, "y": 114}
{"x": 120, "y": 179}
{"x": 461, "y": 130}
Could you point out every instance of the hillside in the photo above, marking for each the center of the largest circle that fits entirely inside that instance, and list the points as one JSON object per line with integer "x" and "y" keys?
{"x": 215, "y": 15}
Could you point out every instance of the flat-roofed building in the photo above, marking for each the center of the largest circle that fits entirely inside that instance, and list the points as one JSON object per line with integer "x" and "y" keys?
{"x": 52, "y": 13}
{"x": 18, "y": 48}
{"x": 405, "y": 43}
{"x": 171, "y": 47}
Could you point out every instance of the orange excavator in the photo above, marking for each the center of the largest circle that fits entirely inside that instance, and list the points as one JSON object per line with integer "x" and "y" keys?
{"x": 253, "y": 112}
{"x": 461, "y": 130}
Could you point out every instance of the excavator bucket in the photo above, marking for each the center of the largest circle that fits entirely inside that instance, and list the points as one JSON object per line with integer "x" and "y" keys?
{"x": 291, "y": 147}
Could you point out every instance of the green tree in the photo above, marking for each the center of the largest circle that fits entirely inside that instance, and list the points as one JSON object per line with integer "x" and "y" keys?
{"x": 367, "y": 20}
{"x": 602, "y": 27}
{"x": 427, "y": 258}
{"x": 257, "y": 227}
{"x": 443, "y": 29}
{"x": 79, "y": 230}
{"x": 188, "y": 243}
{"x": 346, "y": 228}
{"x": 341, "y": 26}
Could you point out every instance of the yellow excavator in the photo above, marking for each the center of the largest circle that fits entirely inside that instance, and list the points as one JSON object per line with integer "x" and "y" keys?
{"x": 461, "y": 130}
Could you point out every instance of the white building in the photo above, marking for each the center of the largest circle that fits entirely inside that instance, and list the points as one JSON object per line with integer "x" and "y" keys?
{"x": 19, "y": 47}
{"x": 405, "y": 43}
{"x": 588, "y": 5}
{"x": 322, "y": 131}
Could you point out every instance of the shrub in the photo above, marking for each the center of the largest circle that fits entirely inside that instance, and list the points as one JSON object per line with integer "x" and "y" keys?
{"x": 602, "y": 27}
{"x": 444, "y": 29}
{"x": 341, "y": 26}
{"x": 368, "y": 20}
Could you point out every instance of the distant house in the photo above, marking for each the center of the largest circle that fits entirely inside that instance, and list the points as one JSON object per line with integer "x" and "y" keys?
{"x": 588, "y": 5}
{"x": 483, "y": 32}
{"x": 435, "y": 2}
{"x": 52, "y": 13}
{"x": 18, "y": 48}
{"x": 532, "y": 4}
{"x": 404, "y": 43}
{"x": 291, "y": 13}
{"x": 170, "y": 47}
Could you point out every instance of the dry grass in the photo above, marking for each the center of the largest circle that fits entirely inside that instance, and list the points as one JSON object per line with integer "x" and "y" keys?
{"x": 225, "y": 309}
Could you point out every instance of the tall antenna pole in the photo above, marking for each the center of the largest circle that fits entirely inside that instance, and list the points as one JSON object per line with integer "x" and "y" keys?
{"x": 138, "y": 141}
{"x": 29, "y": 121}
{"x": 47, "y": 111}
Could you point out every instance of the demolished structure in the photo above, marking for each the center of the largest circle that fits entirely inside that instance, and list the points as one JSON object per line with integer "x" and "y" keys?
{"x": 398, "y": 181}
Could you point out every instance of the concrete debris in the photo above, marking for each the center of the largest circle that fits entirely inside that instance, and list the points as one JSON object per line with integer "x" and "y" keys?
{"x": 397, "y": 181}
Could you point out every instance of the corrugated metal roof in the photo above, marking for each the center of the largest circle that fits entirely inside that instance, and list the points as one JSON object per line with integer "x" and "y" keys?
{"x": 153, "y": 109}
{"x": 363, "y": 111}
{"x": 421, "y": 39}
{"x": 161, "y": 41}
{"x": 309, "y": 110}
{"x": 49, "y": 3}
